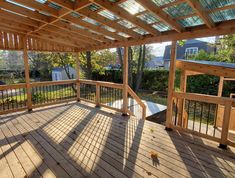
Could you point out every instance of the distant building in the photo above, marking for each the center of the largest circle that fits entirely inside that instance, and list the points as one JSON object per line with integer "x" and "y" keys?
{"x": 156, "y": 62}
{"x": 58, "y": 73}
{"x": 189, "y": 49}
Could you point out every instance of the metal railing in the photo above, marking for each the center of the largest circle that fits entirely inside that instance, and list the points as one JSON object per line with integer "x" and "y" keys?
{"x": 198, "y": 114}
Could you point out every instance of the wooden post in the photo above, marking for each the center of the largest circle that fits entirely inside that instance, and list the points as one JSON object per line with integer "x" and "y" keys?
{"x": 27, "y": 77}
{"x": 220, "y": 92}
{"x": 171, "y": 86}
{"x": 125, "y": 81}
{"x": 78, "y": 76}
{"x": 183, "y": 84}
{"x": 225, "y": 126}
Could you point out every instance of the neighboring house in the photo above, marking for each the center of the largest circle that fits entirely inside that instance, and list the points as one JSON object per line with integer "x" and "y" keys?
{"x": 58, "y": 73}
{"x": 189, "y": 49}
{"x": 155, "y": 62}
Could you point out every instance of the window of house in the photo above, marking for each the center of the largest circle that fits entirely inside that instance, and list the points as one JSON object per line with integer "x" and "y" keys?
{"x": 189, "y": 52}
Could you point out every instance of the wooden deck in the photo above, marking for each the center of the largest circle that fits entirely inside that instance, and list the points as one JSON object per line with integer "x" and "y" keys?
{"x": 78, "y": 140}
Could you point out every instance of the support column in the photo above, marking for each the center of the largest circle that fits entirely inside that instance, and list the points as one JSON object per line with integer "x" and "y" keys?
{"x": 183, "y": 84}
{"x": 171, "y": 85}
{"x": 125, "y": 81}
{"x": 78, "y": 75}
{"x": 27, "y": 78}
{"x": 220, "y": 92}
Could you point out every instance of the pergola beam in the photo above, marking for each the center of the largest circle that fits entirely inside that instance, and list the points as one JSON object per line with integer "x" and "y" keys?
{"x": 197, "y": 7}
{"x": 157, "y": 11}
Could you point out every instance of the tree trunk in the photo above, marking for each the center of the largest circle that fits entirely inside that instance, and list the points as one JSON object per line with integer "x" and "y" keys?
{"x": 119, "y": 52}
{"x": 138, "y": 68}
{"x": 88, "y": 65}
{"x": 130, "y": 67}
{"x": 139, "y": 78}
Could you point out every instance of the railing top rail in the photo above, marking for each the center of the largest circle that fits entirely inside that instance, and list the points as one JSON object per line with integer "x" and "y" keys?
{"x": 13, "y": 86}
{"x": 203, "y": 98}
{"x": 53, "y": 83}
{"x": 136, "y": 97}
{"x": 101, "y": 83}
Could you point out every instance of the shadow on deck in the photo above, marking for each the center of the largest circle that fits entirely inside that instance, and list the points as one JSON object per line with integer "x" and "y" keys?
{"x": 78, "y": 140}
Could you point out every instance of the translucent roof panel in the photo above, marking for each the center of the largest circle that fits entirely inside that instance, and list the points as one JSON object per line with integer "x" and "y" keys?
{"x": 162, "y": 2}
{"x": 126, "y": 24}
{"x": 148, "y": 18}
{"x": 224, "y": 15}
{"x": 140, "y": 31}
{"x": 179, "y": 10}
{"x": 55, "y": 6}
{"x": 212, "y": 4}
{"x": 191, "y": 21}
{"x": 132, "y": 7}
{"x": 123, "y": 34}
{"x": 89, "y": 20}
{"x": 109, "y": 28}
{"x": 161, "y": 27}
{"x": 41, "y": 1}
{"x": 74, "y": 14}
{"x": 93, "y": 7}
{"x": 108, "y": 14}
{"x": 20, "y": 5}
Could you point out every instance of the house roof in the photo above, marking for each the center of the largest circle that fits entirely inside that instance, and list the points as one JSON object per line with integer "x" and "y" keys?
{"x": 72, "y": 25}
{"x": 213, "y": 63}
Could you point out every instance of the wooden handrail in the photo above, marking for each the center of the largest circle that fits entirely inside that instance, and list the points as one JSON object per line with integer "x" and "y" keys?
{"x": 13, "y": 86}
{"x": 61, "y": 82}
{"x": 202, "y": 98}
{"x": 101, "y": 83}
{"x": 136, "y": 97}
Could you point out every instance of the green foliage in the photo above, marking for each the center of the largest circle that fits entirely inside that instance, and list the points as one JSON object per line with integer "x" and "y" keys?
{"x": 38, "y": 97}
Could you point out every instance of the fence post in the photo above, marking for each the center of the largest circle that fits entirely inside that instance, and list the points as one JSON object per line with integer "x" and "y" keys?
{"x": 97, "y": 101}
{"x": 27, "y": 77}
{"x": 78, "y": 76}
{"x": 225, "y": 126}
{"x": 171, "y": 86}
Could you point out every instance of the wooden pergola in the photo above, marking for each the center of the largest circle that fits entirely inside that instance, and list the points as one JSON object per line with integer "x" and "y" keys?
{"x": 84, "y": 25}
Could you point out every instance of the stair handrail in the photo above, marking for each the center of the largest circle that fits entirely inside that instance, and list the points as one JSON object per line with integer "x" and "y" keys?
{"x": 138, "y": 100}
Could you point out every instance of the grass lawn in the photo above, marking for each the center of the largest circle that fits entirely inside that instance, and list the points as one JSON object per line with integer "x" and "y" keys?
{"x": 153, "y": 97}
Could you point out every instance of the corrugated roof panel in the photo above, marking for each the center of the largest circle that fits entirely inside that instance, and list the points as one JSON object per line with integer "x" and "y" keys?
{"x": 75, "y": 14}
{"x": 89, "y": 20}
{"x": 223, "y": 15}
{"x": 140, "y": 31}
{"x": 191, "y": 21}
{"x": 20, "y": 5}
{"x": 132, "y": 7}
{"x": 109, "y": 28}
{"x": 108, "y": 14}
{"x": 148, "y": 18}
{"x": 94, "y": 7}
{"x": 162, "y": 2}
{"x": 55, "y": 6}
{"x": 161, "y": 27}
{"x": 41, "y": 1}
{"x": 179, "y": 10}
{"x": 126, "y": 24}
{"x": 123, "y": 34}
{"x": 212, "y": 4}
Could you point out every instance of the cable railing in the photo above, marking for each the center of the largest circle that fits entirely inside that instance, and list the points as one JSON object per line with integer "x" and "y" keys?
{"x": 202, "y": 115}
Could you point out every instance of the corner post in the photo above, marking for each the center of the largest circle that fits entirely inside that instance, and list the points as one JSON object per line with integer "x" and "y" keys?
{"x": 171, "y": 85}
{"x": 78, "y": 75}
{"x": 27, "y": 77}
{"x": 183, "y": 84}
{"x": 97, "y": 100}
{"x": 125, "y": 81}
{"x": 225, "y": 126}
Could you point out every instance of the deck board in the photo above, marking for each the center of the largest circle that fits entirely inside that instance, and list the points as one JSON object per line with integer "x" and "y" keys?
{"x": 78, "y": 140}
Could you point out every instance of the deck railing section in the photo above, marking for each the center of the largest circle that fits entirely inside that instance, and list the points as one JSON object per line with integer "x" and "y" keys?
{"x": 45, "y": 93}
{"x": 135, "y": 105}
{"x": 197, "y": 114}
{"x": 13, "y": 98}
{"x": 105, "y": 94}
